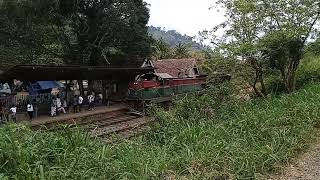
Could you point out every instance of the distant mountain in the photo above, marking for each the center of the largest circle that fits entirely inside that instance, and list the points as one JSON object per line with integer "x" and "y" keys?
{"x": 173, "y": 38}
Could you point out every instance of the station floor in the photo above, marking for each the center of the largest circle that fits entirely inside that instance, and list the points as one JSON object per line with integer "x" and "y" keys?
{"x": 61, "y": 117}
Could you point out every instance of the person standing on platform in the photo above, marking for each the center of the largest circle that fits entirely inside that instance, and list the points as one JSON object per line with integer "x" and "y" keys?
{"x": 75, "y": 103}
{"x": 59, "y": 105}
{"x": 30, "y": 110}
{"x": 36, "y": 103}
{"x": 80, "y": 102}
{"x": 53, "y": 107}
{"x": 100, "y": 98}
{"x": 13, "y": 113}
{"x": 65, "y": 104}
{"x": 91, "y": 101}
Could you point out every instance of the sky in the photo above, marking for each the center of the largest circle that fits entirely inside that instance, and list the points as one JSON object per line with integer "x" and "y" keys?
{"x": 185, "y": 16}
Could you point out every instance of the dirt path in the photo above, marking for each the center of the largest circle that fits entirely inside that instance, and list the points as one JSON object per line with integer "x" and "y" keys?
{"x": 307, "y": 167}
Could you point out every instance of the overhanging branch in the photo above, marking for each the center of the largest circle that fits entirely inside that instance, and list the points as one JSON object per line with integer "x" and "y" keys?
{"x": 311, "y": 27}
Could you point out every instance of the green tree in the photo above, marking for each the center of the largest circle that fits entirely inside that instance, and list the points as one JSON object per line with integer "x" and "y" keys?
{"x": 251, "y": 25}
{"x": 23, "y": 35}
{"x": 80, "y": 31}
{"x": 181, "y": 51}
{"x": 161, "y": 50}
{"x": 314, "y": 47}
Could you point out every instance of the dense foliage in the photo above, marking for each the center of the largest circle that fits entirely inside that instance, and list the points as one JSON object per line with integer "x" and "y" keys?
{"x": 267, "y": 34}
{"x": 162, "y": 50}
{"x": 314, "y": 47}
{"x": 75, "y": 32}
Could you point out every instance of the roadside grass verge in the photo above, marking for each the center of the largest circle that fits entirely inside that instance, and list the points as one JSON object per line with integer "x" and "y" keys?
{"x": 198, "y": 139}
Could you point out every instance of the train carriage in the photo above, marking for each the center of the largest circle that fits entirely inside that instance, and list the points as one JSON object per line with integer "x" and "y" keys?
{"x": 159, "y": 90}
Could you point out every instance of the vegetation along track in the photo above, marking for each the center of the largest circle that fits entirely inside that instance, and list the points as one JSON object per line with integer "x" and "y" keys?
{"x": 108, "y": 126}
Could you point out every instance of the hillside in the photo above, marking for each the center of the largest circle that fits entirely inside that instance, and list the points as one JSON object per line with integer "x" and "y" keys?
{"x": 173, "y": 38}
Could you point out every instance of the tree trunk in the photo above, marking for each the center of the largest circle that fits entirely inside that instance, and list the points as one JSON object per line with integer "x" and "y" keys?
{"x": 258, "y": 78}
{"x": 256, "y": 91}
{"x": 291, "y": 81}
{"x": 263, "y": 87}
{"x": 254, "y": 85}
{"x": 90, "y": 85}
{"x": 104, "y": 90}
{"x": 290, "y": 77}
{"x": 66, "y": 91}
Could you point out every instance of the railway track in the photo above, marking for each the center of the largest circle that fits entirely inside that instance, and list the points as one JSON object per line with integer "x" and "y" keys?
{"x": 108, "y": 127}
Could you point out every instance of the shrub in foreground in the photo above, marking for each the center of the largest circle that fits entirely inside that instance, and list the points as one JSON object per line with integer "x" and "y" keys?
{"x": 236, "y": 140}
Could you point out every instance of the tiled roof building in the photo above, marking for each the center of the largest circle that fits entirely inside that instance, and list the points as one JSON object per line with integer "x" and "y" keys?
{"x": 174, "y": 68}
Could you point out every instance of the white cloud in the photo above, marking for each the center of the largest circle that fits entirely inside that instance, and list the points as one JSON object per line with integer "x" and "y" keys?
{"x": 186, "y": 16}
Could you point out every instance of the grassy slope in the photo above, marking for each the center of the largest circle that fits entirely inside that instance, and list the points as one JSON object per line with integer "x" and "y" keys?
{"x": 242, "y": 141}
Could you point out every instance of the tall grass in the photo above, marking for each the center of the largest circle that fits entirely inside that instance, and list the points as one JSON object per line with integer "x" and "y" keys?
{"x": 308, "y": 71}
{"x": 198, "y": 139}
{"x": 244, "y": 140}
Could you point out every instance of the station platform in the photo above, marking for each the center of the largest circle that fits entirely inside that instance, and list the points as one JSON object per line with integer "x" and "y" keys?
{"x": 73, "y": 117}
{"x": 107, "y": 124}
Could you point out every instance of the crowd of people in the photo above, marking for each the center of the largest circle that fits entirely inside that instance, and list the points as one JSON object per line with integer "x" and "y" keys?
{"x": 58, "y": 106}
{"x": 11, "y": 113}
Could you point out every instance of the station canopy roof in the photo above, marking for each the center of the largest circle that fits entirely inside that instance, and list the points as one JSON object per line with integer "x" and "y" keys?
{"x": 67, "y": 72}
{"x": 49, "y": 84}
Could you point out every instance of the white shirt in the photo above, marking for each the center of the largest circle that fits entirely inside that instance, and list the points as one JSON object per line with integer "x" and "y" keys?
{"x": 29, "y": 107}
{"x": 65, "y": 103}
{"x": 80, "y": 99}
{"x": 13, "y": 109}
{"x": 90, "y": 98}
{"x": 59, "y": 104}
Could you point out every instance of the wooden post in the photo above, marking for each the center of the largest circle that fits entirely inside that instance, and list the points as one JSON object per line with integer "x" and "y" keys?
{"x": 104, "y": 92}
{"x": 66, "y": 91}
{"x": 143, "y": 107}
{"x": 90, "y": 85}
{"x": 80, "y": 83}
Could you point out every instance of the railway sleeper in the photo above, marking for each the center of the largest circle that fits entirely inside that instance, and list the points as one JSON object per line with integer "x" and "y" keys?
{"x": 136, "y": 123}
{"x": 127, "y": 134}
{"x": 108, "y": 122}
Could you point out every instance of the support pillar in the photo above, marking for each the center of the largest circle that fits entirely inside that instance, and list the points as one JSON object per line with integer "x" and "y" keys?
{"x": 81, "y": 89}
